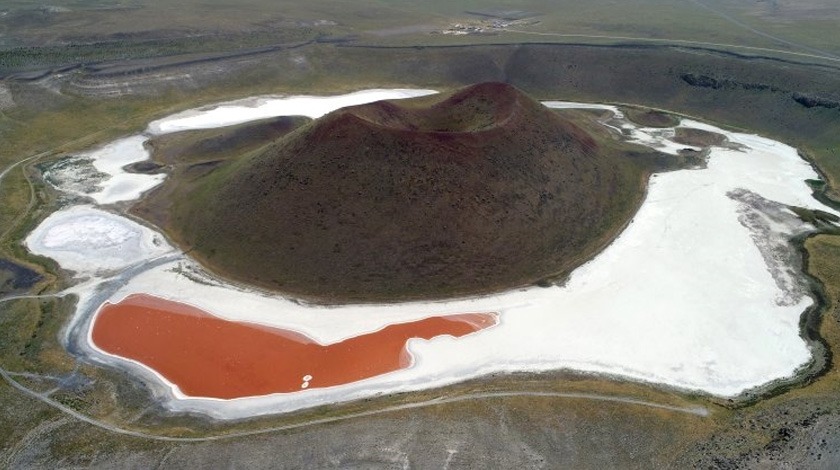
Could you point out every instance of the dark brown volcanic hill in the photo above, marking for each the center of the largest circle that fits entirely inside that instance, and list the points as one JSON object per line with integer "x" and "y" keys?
{"x": 458, "y": 194}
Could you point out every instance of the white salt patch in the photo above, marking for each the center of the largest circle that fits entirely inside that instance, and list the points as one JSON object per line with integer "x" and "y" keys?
{"x": 574, "y": 105}
{"x": 116, "y": 184}
{"x": 654, "y": 137}
{"x": 323, "y": 324}
{"x": 123, "y": 186}
{"x": 237, "y": 112}
{"x": 659, "y": 139}
{"x": 91, "y": 241}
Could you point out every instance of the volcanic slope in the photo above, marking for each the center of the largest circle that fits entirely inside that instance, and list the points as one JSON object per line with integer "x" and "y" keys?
{"x": 467, "y": 193}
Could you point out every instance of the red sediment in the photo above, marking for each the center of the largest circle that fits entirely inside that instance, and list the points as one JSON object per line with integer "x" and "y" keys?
{"x": 206, "y": 356}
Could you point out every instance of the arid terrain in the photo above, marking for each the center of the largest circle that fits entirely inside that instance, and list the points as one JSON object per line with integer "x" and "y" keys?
{"x": 78, "y": 76}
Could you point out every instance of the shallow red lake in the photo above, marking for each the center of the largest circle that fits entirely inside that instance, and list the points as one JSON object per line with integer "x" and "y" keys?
{"x": 206, "y": 356}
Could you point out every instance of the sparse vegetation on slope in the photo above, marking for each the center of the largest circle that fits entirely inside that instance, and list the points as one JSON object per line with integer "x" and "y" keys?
{"x": 651, "y": 118}
{"x": 188, "y": 147}
{"x": 474, "y": 192}
{"x": 189, "y": 155}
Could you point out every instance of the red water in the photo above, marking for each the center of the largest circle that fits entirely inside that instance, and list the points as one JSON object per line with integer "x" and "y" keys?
{"x": 206, "y": 356}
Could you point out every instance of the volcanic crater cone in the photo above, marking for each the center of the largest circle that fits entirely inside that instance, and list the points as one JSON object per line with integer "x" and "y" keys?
{"x": 476, "y": 191}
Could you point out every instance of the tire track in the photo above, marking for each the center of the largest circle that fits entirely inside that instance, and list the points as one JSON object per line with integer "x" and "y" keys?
{"x": 749, "y": 28}
{"x": 678, "y": 42}
{"x": 694, "y": 410}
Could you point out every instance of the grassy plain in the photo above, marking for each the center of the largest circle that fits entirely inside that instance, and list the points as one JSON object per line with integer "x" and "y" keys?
{"x": 798, "y": 426}
{"x": 90, "y": 32}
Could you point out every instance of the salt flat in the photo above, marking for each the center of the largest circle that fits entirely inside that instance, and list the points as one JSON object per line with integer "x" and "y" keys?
{"x": 114, "y": 184}
{"x": 91, "y": 241}
{"x": 250, "y": 109}
{"x": 689, "y": 295}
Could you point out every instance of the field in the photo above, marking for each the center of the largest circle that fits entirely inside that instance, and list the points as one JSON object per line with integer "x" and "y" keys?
{"x": 791, "y": 98}
{"x": 99, "y": 33}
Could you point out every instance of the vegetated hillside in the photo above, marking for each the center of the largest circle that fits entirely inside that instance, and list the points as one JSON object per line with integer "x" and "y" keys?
{"x": 187, "y": 156}
{"x": 219, "y": 143}
{"x": 462, "y": 194}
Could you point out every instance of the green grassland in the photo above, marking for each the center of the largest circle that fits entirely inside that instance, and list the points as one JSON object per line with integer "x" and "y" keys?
{"x": 738, "y": 92}
{"x": 84, "y": 32}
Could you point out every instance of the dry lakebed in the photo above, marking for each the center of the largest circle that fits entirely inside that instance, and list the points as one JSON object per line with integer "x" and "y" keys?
{"x": 703, "y": 291}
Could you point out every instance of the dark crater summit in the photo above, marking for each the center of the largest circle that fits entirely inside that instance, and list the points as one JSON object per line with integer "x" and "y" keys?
{"x": 472, "y": 192}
